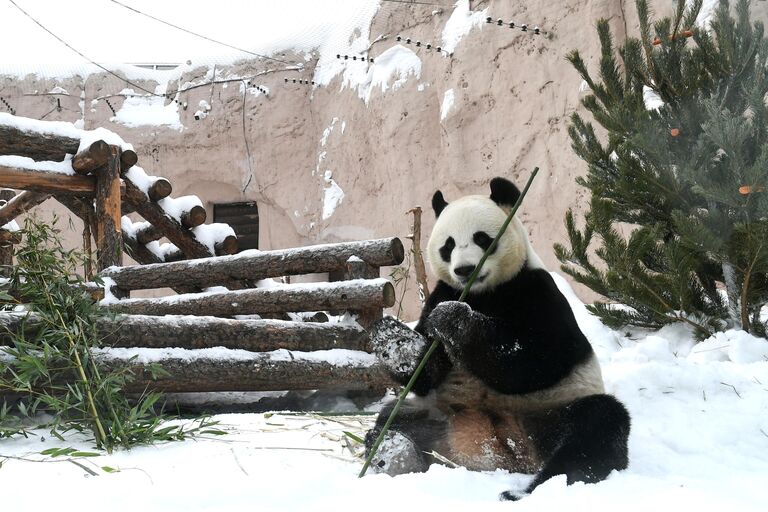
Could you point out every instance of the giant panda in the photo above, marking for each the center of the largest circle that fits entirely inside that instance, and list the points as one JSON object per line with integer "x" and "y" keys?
{"x": 514, "y": 384}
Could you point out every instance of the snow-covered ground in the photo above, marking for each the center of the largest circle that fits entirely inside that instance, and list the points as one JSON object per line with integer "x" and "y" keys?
{"x": 699, "y": 442}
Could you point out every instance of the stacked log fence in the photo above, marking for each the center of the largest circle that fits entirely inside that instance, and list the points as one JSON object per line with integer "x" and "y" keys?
{"x": 224, "y": 331}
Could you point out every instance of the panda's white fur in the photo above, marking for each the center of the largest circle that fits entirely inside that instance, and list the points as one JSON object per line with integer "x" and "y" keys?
{"x": 460, "y": 220}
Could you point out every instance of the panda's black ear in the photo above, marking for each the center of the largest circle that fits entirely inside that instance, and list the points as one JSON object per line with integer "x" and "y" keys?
{"x": 438, "y": 203}
{"x": 504, "y": 192}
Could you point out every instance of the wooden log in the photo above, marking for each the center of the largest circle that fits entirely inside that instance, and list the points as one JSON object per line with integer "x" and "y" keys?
{"x": 109, "y": 240}
{"x": 9, "y": 237}
{"x": 139, "y": 251}
{"x": 92, "y": 158}
{"x": 168, "y": 226}
{"x": 37, "y": 146}
{"x": 226, "y": 246}
{"x": 128, "y": 159}
{"x": 200, "y": 372}
{"x": 353, "y": 295}
{"x": 194, "y": 217}
{"x": 358, "y": 269}
{"x": 253, "y": 266}
{"x": 20, "y": 204}
{"x": 160, "y": 189}
{"x": 148, "y": 233}
{"x": 195, "y": 332}
{"x": 418, "y": 257}
{"x": 47, "y": 182}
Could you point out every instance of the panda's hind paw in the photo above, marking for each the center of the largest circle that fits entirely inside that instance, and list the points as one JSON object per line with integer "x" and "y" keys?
{"x": 512, "y": 496}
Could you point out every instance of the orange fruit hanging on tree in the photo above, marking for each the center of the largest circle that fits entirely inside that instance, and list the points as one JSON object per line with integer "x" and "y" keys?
{"x": 674, "y": 132}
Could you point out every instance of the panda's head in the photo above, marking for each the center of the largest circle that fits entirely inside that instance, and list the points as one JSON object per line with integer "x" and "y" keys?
{"x": 466, "y": 227}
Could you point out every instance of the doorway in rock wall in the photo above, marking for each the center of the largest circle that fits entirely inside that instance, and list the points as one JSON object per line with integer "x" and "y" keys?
{"x": 244, "y": 219}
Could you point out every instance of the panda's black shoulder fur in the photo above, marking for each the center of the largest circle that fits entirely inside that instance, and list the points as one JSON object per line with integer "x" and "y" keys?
{"x": 528, "y": 339}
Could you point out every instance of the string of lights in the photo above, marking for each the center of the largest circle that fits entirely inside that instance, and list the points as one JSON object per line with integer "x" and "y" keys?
{"x": 137, "y": 86}
{"x": 511, "y": 24}
{"x": 419, "y": 44}
{"x": 8, "y": 106}
{"x": 201, "y": 35}
{"x": 353, "y": 57}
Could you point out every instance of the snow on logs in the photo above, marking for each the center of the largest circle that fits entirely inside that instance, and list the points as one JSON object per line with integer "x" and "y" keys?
{"x": 34, "y": 157}
{"x": 340, "y": 295}
{"x": 257, "y": 265}
{"x": 206, "y": 354}
{"x": 198, "y": 332}
{"x": 20, "y": 204}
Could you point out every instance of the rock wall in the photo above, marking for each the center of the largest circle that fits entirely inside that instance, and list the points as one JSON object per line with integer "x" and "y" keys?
{"x": 325, "y": 165}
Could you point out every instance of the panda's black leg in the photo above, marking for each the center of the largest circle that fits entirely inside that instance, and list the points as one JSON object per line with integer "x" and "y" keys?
{"x": 588, "y": 441}
{"x": 410, "y": 437}
{"x": 591, "y": 441}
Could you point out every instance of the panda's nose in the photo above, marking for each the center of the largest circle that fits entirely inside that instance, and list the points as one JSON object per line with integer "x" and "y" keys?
{"x": 464, "y": 270}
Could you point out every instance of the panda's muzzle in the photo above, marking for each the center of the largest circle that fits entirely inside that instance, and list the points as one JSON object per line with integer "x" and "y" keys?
{"x": 464, "y": 271}
{"x": 462, "y": 274}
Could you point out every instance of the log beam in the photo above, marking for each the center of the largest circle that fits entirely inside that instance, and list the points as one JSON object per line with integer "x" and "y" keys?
{"x": 21, "y": 204}
{"x": 170, "y": 227}
{"x": 37, "y": 146}
{"x": 350, "y": 295}
{"x": 261, "y": 373}
{"x": 226, "y": 246}
{"x": 92, "y": 158}
{"x": 128, "y": 159}
{"x": 195, "y": 332}
{"x": 160, "y": 189}
{"x": 47, "y": 182}
{"x": 254, "y": 266}
{"x": 194, "y": 217}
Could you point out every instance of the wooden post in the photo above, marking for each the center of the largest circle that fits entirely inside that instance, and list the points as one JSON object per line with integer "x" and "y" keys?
{"x": 418, "y": 257}
{"x": 6, "y": 249}
{"x": 358, "y": 269}
{"x": 109, "y": 241}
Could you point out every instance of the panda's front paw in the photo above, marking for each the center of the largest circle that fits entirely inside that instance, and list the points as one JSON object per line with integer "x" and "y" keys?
{"x": 450, "y": 322}
{"x": 397, "y": 346}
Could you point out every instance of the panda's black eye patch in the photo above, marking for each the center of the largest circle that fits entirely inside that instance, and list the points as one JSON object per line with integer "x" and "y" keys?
{"x": 483, "y": 240}
{"x": 447, "y": 249}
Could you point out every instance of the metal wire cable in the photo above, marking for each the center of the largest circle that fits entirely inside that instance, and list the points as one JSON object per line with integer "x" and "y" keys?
{"x": 25, "y": 13}
{"x": 200, "y": 35}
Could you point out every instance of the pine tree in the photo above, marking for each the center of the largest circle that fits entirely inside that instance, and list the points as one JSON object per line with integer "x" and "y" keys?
{"x": 679, "y": 208}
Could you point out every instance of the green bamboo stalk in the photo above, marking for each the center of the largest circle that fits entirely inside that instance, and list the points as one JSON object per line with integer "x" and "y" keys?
{"x": 436, "y": 342}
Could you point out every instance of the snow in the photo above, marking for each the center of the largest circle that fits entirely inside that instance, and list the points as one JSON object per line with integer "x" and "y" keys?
{"x": 332, "y": 196}
{"x": 210, "y": 234}
{"x": 23, "y": 162}
{"x": 141, "y": 110}
{"x": 176, "y": 206}
{"x": 698, "y": 442}
{"x": 447, "y": 104}
{"x": 461, "y": 22}
{"x": 268, "y": 28}
{"x": 651, "y": 99}
{"x": 398, "y": 62}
